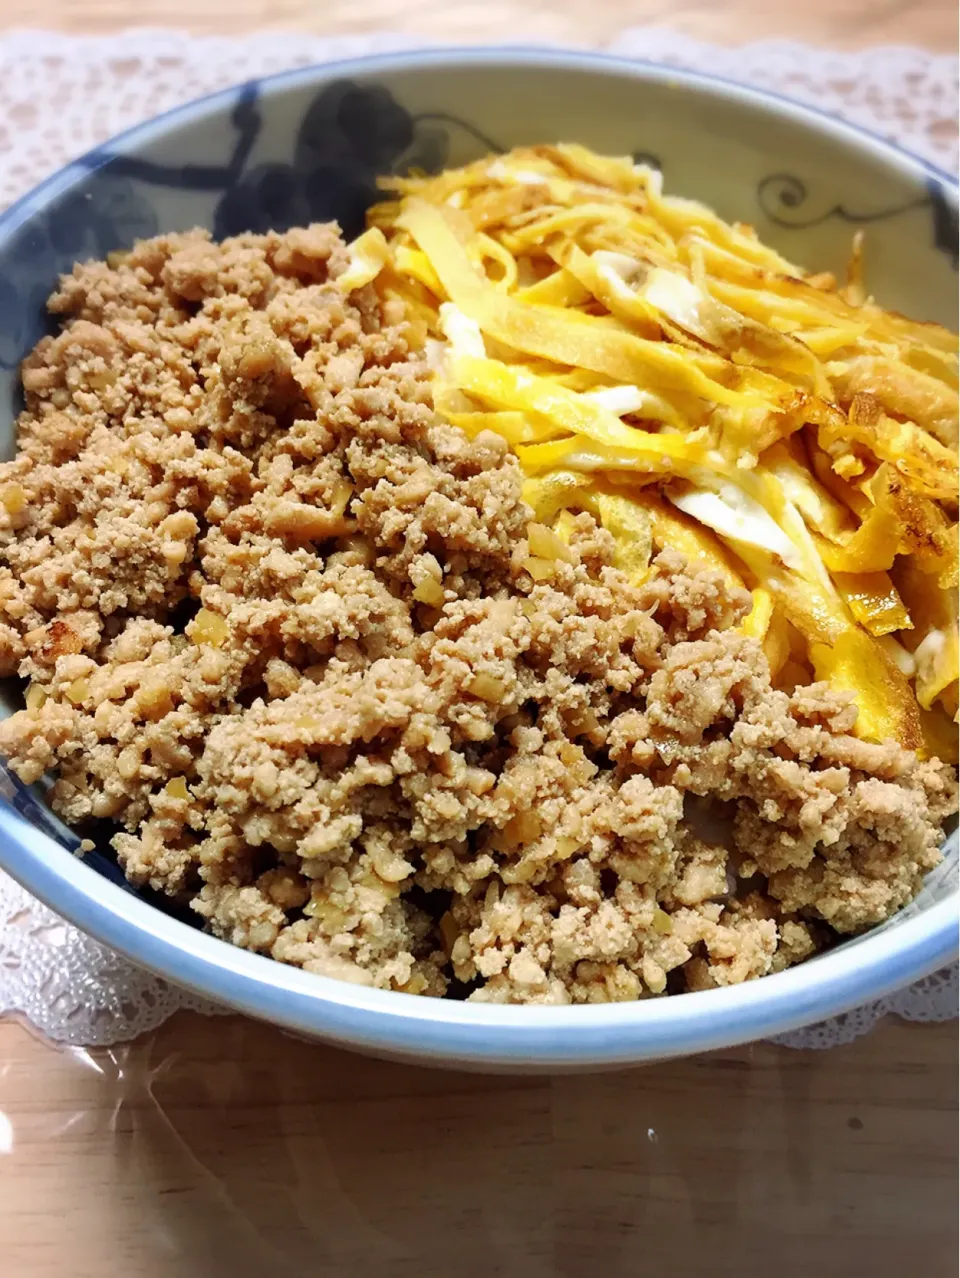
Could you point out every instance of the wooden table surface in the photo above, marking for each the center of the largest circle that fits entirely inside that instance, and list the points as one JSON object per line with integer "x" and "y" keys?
{"x": 224, "y": 1148}
{"x": 832, "y": 23}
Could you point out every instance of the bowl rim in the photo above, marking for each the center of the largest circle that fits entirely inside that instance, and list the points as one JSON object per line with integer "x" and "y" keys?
{"x": 479, "y": 1034}
{"x": 494, "y": 56}
{"x": 437, "y": 1031}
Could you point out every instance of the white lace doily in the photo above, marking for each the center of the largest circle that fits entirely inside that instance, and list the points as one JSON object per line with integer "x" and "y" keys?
{"x": 61, "y": 95}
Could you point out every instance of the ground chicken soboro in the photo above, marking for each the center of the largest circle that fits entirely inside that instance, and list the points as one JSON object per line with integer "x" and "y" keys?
{"x": 276, "y": 624}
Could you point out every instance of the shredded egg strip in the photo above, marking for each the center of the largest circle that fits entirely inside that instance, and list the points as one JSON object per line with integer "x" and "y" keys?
{"x": 643, "y": 356}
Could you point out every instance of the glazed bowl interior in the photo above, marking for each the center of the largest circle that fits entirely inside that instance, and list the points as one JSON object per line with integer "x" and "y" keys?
{"x": 308, "y": 146}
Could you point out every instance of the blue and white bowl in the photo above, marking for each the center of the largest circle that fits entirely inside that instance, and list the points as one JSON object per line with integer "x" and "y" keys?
{"x": 307, "y": 146}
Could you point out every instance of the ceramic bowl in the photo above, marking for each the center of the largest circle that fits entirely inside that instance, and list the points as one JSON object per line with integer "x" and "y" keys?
{"x": 307, "y": 146}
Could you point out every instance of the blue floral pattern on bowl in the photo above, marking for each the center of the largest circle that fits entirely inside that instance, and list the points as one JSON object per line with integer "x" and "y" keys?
{"x": 349, "y": 135}
{"x": 785, "y": 199}
{"x": 101, "y": 212}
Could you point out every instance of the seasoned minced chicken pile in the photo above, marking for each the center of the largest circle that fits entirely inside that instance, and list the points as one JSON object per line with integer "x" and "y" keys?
{"x": 277, "y": 626}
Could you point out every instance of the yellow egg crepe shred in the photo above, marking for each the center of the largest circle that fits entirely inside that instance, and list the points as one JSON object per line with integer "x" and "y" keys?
{"x": 666, "y": 371}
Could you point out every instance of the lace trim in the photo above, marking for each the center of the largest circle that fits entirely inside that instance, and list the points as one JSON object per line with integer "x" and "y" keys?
{"x": 60, "y": 95}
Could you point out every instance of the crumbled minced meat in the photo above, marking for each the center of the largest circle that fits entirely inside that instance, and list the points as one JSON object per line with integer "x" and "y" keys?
{"x": 230, "y": 498}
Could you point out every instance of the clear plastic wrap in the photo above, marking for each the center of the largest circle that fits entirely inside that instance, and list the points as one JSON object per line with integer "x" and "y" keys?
{"x": 218, "y": 1146}
{"x": 223, "y": 1147}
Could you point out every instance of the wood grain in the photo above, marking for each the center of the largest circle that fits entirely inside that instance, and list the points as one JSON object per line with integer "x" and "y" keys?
{"x": 223, "y": 1148}
{"x": 835, "y": 23}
